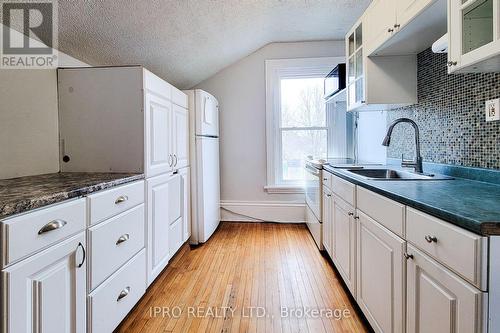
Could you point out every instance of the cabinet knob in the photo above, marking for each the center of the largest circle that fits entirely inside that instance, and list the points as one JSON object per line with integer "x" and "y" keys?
{"x": 408, "y": 256}
{"x": 123, "y": 293}
{"x": 350, "y": 214}
{"x": 390, "y": 30}
{"x": 328, "y": 195}
{"x": 123, "y": 238}
{"x": 397, "y": 26}
{"x": 431, "y": 239}
{"x": 451, "y": 63}
{"x": 325, "y": 179}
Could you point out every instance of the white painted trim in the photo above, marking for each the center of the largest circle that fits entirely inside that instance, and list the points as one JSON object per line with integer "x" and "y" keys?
{"x": 259, "y": 211}
{"x": 275, "y": 70}
{"x": 494, "y": 285}
{"x": 282, "y": 189}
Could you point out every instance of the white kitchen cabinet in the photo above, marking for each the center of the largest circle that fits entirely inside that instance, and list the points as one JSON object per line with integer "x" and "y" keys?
{"x": 403, "y": 27}
{"x": 474, "y": 36}
{"x": 47, "y": 291}
{"x": 407, "y": 10}
{"x": 380, "y": 290}
{"x": 159, "y": 155}
{"x": 164, "y": 208}
{"x": 327, "y": 221}
{"x": 344, "y": 241}
{"x": 438, "y": 301}
{"x": 381, "y": 23}
{"x": 377, "y": 83}
{"x": 180, "y": 137}
{"x": 185, "y": 174}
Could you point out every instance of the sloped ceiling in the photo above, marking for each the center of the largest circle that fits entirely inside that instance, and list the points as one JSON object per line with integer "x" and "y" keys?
{"x": 187, "y": 41}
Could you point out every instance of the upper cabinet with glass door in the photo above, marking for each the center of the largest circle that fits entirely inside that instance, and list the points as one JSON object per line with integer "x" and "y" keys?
{"x": 377, "y": 83}
{"x": 474, "y": 35}
{"x": 355, "y": 76}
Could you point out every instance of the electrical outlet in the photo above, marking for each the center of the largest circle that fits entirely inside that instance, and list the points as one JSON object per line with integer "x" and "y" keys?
{"x": 492, "y": 109}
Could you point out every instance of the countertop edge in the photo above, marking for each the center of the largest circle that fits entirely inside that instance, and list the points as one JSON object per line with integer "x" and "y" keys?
{"x": 491, "y": 228}
{"x": 25, "y": 206}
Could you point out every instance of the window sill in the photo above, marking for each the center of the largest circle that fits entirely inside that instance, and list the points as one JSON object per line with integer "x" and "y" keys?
{"x": 284, "y": 189}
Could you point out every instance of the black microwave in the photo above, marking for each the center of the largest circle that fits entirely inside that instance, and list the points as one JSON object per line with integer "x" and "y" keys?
{"x": 335, "y": 81}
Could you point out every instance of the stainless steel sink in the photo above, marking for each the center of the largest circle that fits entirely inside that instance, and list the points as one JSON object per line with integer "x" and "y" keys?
{"x": 389, "y": 174}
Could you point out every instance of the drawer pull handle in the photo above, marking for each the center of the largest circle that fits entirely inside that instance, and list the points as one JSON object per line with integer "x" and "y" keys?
{"x": 431, "y": 239}
{"x": 123, "y": 238}
{"x": 84, "y": 255}
{"x": 408, "y": 256}
{"x": 123, "y": 294}
{"x": 120, "y": 199}
{"x": 52, "y": 225}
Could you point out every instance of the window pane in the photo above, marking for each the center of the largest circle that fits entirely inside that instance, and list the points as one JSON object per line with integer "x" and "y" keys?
{"x": 302, "y": 103}
{"x": 296, "y": 145}
{"x": 359, "y": 36}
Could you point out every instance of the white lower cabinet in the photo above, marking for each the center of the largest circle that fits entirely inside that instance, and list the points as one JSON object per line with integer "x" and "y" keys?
{"x": 344, "y": 241}
{"x": 113, "y": 242}
{"x": 185, "y": 173}
{"x": 46, "y": 292}
{"x": 112, "y": 301}
{"x": 408, "y": 271}
{"x": 380, "y": 275}
{"x": 327, "y": 221}
{"x": 164, "y": 209}
{"x": 438, "y": 301}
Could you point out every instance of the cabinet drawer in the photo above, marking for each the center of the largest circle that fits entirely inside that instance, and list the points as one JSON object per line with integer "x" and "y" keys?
{"x": 112, "y": 300}
{"x": 105, "y": 204}
{"x": 344, "y": 189}
{"x": 27, "y": 233}
{"x": 113, "y": 242}
{"x": 326, "y": 178}
{"x": 458, "y": 249}
{"x": 385, "y": 211}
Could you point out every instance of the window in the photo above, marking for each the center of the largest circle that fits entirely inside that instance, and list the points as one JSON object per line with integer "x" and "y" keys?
{"x": 296, "y": 120}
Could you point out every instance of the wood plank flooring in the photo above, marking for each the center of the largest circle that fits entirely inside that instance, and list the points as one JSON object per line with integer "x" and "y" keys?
{"x": 249, "y": 277}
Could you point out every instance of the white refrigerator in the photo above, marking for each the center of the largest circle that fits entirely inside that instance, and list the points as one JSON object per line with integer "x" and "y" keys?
{"x": 204, "y": 151}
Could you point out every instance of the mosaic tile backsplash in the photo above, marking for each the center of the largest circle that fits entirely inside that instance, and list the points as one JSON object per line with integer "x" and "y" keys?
{"x": 451, "y": 117}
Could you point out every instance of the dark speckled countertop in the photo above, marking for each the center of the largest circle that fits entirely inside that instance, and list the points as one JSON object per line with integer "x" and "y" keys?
{"x": 18, "y": 195}
{"x": 472, "y": 205}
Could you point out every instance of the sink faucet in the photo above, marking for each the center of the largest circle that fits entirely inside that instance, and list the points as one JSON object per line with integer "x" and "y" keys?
{"x": 417, "y": 163}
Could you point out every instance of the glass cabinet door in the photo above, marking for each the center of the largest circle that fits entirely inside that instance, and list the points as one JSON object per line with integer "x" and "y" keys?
{"x": 477, "y": 24}
{"x": 355, "y": 74}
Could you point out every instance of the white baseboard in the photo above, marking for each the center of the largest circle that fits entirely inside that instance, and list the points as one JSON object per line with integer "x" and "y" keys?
{"x": 258, "y": 211}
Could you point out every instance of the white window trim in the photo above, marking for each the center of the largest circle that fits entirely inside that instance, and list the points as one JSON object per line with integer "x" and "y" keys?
{"x": 276, "y": 69}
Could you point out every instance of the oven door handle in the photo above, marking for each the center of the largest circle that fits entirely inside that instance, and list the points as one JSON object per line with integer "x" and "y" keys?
{"x": 312, "y": 170}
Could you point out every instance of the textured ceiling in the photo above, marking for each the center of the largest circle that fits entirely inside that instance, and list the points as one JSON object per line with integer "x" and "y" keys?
{"x": 187, "y": 41}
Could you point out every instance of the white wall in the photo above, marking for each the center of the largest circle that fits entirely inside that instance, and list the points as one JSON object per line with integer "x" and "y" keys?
{"x": 28, "y": 120}
{"x": 372, "y": 127}
{"x": 240, "y": 90}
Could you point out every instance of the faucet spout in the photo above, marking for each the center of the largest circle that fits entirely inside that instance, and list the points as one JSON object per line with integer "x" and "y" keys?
{"x": 417, "y": 163}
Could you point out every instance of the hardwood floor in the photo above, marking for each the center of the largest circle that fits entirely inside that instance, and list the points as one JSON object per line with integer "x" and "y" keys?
{"x": 248, "y": 277}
